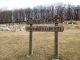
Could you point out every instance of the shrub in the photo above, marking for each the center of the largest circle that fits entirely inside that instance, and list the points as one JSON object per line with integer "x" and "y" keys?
{"x": 77, "y": 27}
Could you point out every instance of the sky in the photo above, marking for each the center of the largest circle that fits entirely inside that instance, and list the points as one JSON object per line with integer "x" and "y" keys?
{"x": 16, "y": 4}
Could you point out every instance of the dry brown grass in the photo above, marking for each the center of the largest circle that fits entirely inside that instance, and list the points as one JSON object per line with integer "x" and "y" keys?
{"x": 14, "y": 45}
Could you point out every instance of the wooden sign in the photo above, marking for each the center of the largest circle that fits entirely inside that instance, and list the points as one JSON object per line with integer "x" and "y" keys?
{"x": 49, "y": 21}
{"x": 54, "y": 29}
{"x": 45, "y": 28}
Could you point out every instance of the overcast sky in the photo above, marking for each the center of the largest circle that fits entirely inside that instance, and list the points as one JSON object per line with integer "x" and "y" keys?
{"x": 15, "y": 4}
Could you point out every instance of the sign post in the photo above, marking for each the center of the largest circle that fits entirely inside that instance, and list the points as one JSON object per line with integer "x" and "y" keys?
{"x": 30, "y": 40}
{"x": 56, "y": 42}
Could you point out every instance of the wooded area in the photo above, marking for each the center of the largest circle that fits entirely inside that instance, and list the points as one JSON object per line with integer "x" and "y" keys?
{"x": 69, "y": 12}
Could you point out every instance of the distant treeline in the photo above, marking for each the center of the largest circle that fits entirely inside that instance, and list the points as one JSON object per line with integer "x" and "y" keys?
{"x": 68, "y": 12}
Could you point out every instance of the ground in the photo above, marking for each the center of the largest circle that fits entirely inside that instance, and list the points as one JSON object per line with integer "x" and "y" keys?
{"x": 14, "y": 45}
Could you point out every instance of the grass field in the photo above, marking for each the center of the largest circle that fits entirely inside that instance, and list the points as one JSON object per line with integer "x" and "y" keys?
{"x": 14, "y": 45}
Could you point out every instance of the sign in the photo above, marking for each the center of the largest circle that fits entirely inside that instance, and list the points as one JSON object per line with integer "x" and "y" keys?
{"x": 45, "y": 28}
{"x": 54, "y": 29}
{"x": 49, "y": 21}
